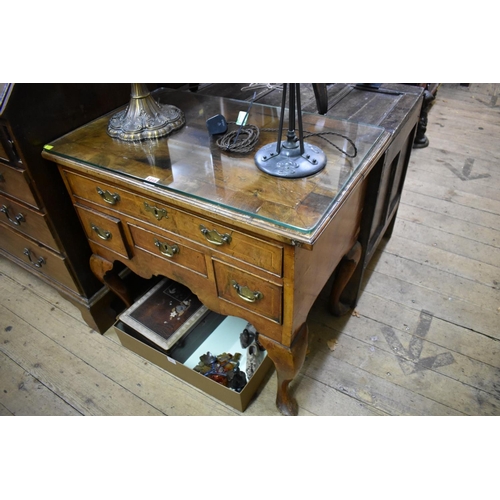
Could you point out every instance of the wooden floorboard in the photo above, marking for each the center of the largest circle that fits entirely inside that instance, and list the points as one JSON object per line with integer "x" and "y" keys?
{"x": 424, "y": 339}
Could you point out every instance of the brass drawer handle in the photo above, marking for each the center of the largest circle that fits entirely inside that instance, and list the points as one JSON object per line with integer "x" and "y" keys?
{"x": 18, "y": 218}
{"x": 166, "y": 249}
{"x": 213, "y": 236}
{"x": 159, "y": 213}
{"x": 111, "y": 198}
{"x": 246, "y": 294}
{"x": 38, "y": 263}
{"x": 102, "y": 233}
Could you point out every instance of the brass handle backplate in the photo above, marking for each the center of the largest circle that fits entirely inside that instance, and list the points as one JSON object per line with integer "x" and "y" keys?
{"x": 38, "y": 263}
{"x": 246, "y": 294}
{"x": 18, "y": 218}
{"x": 213, "y": 236}
{"x": 102, "y": 233}
{"x": 166, "y": 249}
{"x": 159, "y": 213}
{"x": 111, "y": 198}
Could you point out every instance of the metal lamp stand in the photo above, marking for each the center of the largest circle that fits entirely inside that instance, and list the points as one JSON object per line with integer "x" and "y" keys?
{"x": 292, "y": 158}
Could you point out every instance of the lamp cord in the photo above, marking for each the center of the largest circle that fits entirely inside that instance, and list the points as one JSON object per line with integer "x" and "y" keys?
{"x": 248, "y": 136}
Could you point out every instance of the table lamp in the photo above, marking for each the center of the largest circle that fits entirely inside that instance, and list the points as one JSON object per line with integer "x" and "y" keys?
{"x": 292, "y": 158}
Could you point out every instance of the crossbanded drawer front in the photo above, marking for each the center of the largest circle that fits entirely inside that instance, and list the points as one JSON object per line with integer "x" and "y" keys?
{"x": 248, "y": 291}
{"x": 171, "y": 249}
{"x": 14, "y": 183}
{"x": 253, "y": 251}
{"x": 39, "y": 259}
{"x": 100, "y": 193}
{"x": 27, "y": 221}
{"x": 104, "y": 230}
{"x": 218, "y": 238}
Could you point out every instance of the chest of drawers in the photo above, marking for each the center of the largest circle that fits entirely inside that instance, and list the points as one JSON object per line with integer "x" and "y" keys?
{"x": 38, "y": 226}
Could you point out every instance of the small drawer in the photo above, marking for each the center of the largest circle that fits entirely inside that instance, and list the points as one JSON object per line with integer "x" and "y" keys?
{"x": 103, "y": 230}
{"x": 15, "y": 183}
{"x": 253, "y": 251}
{"x": 37, "y": 258}
{"x": 27, "y": 221}
{"x": 173, "y": 250}
{"x": 248, "y": 291}
{"x": 98, "y": 192}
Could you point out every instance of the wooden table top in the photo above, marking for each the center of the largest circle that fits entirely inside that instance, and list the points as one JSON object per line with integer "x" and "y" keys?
{"x": 189, "y": 163}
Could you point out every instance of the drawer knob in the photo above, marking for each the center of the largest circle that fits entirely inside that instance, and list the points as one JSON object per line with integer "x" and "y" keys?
{"x": 111, "y": 198}
{"x": 102, "y": 233}
{"x": 17, "y": 219}
{"x": 159, "y": 213}
{"x": 37, "y": 263}
{"x": 246, "y": 294}
{"x": 213, "y": 236}
{"x": 166, "y": 249}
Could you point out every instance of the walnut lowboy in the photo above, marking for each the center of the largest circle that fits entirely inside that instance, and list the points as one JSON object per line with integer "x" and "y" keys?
{"x": 246, "y": 243}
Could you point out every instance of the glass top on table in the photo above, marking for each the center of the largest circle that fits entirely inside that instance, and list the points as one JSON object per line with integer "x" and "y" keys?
{"x": 189, "y": 162}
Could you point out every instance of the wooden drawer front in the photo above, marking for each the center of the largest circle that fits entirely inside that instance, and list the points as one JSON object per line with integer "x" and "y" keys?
{"x": 174, "y": 251}
{"x": 26, "y": 221}
{"x": 103, "y": 230}
{"x": 39, "y": 259}
{"x": 262, "y": 297}
{"x": 251, "y": 250}
{"x": 15, "y": 183}
{"x": 102, "y": 194}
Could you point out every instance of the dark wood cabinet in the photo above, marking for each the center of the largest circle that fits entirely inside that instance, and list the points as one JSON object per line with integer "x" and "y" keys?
{"x": 39, "y": 229}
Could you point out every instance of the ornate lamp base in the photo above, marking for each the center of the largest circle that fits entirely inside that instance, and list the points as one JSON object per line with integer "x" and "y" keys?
{"x": 144, "y": 118}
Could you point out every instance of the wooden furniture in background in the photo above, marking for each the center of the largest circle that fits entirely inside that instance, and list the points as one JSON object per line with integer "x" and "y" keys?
{"x": 38, "y": 226}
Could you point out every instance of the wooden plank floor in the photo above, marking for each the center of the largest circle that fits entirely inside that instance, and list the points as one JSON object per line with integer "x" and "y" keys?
{"x": 425, "y": 339}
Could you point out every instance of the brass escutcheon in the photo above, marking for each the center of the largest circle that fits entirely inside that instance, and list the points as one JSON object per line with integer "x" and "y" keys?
{"x": 159, "y": 213}
{"x": 166, "y": 249}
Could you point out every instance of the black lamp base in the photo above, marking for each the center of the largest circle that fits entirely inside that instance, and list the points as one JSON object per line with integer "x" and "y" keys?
{"x": 289, "y": 162}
